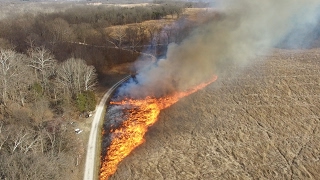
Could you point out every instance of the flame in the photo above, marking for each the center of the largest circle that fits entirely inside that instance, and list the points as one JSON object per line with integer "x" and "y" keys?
{"x": 131, "y": 132}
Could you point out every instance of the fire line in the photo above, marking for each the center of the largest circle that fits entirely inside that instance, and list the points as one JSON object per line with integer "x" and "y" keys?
{"x": 130, "y": 133}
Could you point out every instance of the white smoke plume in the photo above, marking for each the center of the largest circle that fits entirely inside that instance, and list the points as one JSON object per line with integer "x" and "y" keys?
{"x": 247, "y": 28}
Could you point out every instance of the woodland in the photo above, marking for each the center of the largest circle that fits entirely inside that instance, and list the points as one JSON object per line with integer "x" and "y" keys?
{"x": 53, "y": 57}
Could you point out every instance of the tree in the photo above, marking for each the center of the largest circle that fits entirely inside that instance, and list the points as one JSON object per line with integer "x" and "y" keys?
{"x": 45, "y": 151}
{"x": 7, "y": 64}
{"x": 117, "y": 35}
{"x": 89, "y": 77}
{"x": 59, "y": 31}
{"x": 75, "y": 76}
{"x": 135, "y": 36}
{"x": 14, "y": 75}
{"x": 41, "y": 110}
{"x": 43, "y": 62}
{"x": 154, "y": 35}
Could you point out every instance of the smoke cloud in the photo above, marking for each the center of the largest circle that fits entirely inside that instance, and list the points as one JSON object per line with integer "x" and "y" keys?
{"x": 247, "y": 28}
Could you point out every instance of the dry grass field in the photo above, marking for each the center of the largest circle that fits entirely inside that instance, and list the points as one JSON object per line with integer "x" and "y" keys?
{"x": 260, "y": 123}
{"x": 196, "y": 15}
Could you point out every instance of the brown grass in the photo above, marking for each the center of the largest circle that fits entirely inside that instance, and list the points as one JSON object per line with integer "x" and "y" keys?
{"x": 262, "y": 122}
{"x": 192, "y": 14}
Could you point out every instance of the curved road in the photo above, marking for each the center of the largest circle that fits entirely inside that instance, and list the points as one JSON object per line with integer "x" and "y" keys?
{"x": 91, "y": 165}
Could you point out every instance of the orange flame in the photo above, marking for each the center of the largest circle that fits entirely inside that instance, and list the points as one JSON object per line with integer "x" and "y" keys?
{"x": 131, "y": 132}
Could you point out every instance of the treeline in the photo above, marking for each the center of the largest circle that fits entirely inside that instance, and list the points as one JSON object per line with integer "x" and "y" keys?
{"x": 105, "y": 16}
{"x": 186, "y": 4}
{"x": 101, "y": 35}
{"x": 84, "y": 28}
{"x": 77, "y": 23}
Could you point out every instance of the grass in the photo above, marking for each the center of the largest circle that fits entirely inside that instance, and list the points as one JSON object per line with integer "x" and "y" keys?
{"x": 261, "y": 122}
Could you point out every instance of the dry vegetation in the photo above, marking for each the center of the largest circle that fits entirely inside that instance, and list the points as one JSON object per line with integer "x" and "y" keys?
{"x": 261, "y": 123}
{"x": 46, "y": 81}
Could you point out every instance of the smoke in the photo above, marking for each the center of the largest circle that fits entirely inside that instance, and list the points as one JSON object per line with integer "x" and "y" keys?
{"x": 247, "y": 28}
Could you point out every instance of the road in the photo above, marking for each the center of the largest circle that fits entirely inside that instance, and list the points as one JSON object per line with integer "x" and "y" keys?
{"x": 91, "y": 164}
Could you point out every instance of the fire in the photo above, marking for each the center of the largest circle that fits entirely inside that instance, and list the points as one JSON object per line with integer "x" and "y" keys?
{"x": 130, "y": 134}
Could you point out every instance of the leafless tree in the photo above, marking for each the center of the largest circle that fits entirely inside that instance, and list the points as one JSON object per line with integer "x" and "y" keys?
{"x": 41, "y": 110}
{"x": 135, "y": 36}
{"x": 7, "y": 61}
{"x": 86, "y": 34}
{"x": 14, "y": 77}
{"x": 36, "y": 153}
{"x": 59, "y": 31}
{"x": 89, "y": 78}
{"x": 75, "y": 76}
{"x": 117, "y": 35}
{"x": 43, "y": 62}
{"x": 3, "y": 135}
{"x": 154, "y": 35}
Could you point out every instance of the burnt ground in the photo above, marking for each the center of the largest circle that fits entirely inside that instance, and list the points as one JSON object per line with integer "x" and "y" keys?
{"x": 262, "y": 123}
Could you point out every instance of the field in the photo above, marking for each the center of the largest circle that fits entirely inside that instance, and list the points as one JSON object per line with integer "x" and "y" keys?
{"x": 259, "y": 123}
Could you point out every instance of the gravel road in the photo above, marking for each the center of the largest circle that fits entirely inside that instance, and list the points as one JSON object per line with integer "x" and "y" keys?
{"x": 91, "y": 163}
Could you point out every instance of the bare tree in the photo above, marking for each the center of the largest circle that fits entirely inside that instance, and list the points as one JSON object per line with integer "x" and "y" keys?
{"x": 14, "y": 77}
{"x": 117, "y": 36}
{"x": 7, "y": 70}
{"x": 12, "y": 74}
{"x": 3, "y": 135}
{"x": 59, "y": 30}
{"x": 43, "y": 62}
{"x": 36, "y": 153}
{"x": 154, "y": 35}
{"x": 89, "y": 78}
{"x": 41, "y": 110}
{"x": 23, "y": 140}
{"x": 135, "y": 36}
{"x": 75, "y": 76}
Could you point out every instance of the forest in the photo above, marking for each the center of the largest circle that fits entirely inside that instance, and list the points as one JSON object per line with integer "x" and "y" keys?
{"x": 51, "y": 62}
